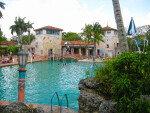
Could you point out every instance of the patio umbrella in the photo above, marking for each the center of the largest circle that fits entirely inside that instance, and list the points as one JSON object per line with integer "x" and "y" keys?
{"x": 132, "y": 29}
{"x": 67, "y": 43}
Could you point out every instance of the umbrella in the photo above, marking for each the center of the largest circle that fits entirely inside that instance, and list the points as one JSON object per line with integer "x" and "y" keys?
{"x": 133, "y": 32}
{"x": 132, "y": 29}
{"x": 67, "y": 43}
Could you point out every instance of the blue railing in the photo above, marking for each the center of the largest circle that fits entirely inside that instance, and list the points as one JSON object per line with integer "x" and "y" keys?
{"x": 57, "y": 98}
{"x": 61, "y": 102}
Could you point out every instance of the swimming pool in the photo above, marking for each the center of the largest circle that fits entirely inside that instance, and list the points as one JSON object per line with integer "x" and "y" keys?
{"x": 43, "y": 79}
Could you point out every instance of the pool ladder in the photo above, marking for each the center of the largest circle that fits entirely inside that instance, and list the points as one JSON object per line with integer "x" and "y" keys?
{"x": 59, "y": 102}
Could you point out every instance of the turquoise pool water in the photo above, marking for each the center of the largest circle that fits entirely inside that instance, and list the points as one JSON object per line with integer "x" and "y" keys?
{"x": 42, "y": 80}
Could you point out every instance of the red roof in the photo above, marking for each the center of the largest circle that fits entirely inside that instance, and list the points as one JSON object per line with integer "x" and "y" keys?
{"x": 49, "y": 27}
{"x": 9, "y": 43}
{"x": 79, "y": 42}
{"x": 108, "y": 28}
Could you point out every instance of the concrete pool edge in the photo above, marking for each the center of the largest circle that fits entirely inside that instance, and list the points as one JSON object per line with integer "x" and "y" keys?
{"x": 16, "y": 63}
{"x": 46, "y": 108}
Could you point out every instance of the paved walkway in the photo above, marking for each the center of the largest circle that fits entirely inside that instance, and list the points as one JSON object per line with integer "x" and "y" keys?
{"x": 46, "y": 108}
{"x": 36, "y": 59}
{"x": 97, "y": 60}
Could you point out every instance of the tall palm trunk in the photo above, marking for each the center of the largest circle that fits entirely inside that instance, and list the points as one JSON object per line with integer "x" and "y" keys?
{"x": 94, "y": 52}
{"x": 29, "y": 36}
{"x": 19, "y": 37}
{"x": 120, "y": 26}
{"x": 88, "y": 50}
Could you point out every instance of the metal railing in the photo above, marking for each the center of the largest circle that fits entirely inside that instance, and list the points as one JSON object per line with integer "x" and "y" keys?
{"x": 57, "y": 98}
{"x": 65, "y": 95}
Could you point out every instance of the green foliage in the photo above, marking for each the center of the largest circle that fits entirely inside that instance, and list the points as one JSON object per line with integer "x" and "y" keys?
{"x": 98, "y": 32}
{"x": 95, "y": 31}
{"x": 10, "y": 49}
{"x": 29, "y": 26}
{"x": 13, "y": 49}
{"x": 3, "y": 7}
{"x": 148, "y": 34}
{"x": 25, "y": 39}
{"x": 125, "y": 79}
{"x": 147, "y": 48}
{"x": 2, "y": 38}
{"x": 71, "y": 36}
{"x": 13, "y": 38}
{"x": 132, "y": 44}
{"x": 87, "y": 32}
{"x": 2, "y": 51}
{"x": 87, "y": 73}
{"x": 20, "y": 27}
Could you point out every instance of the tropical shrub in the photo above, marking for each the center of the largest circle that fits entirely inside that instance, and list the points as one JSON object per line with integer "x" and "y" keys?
{"x": 125, "y": 79}
{"x": 87, "y": 73}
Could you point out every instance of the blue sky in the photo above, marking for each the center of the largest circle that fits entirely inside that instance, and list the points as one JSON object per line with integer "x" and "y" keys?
{"x": 72, "y": 15}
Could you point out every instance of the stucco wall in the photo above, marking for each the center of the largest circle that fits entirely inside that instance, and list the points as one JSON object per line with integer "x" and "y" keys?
{"x": 44, "y": 42}
{"x": 110, "y": 39}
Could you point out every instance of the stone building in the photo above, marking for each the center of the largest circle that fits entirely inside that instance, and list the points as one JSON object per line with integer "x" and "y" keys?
{"x": 110, "y": 46}
{"x": 77, "y": 48}
{"x": 47, "y": 41}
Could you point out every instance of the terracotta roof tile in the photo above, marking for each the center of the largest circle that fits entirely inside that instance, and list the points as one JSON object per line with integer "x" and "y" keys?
{"x": 49, "y": 27}
{"x": 9, "y": 43}
{"x": 76, "y": 42}
{"x": 109, "y": 28}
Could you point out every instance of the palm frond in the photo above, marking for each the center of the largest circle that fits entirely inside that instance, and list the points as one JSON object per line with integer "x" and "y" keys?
{"x": 1, "y": 15}
{"x": 2, "y": 5}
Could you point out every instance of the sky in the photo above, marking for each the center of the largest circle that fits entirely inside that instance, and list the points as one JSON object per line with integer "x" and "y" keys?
{"x": 72, "y": 15}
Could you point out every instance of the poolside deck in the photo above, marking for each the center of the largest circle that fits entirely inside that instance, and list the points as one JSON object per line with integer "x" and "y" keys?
{"x": 36, "y": 59}
{"x": 46, "y": 108}
{"x": 97, "y": 60}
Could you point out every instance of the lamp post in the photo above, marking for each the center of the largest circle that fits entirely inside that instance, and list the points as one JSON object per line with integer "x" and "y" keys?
{"x": 22, "y": 61}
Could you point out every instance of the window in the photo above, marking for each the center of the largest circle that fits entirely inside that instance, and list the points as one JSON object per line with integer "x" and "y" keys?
{"x": 115, "y": 32}
{"x": 39, "y": 32}
{"x": 52, "y": 32}
{"x": 98, "y": 52}
{"x": 108, "y": 32}
{"x": 107, "y": 45}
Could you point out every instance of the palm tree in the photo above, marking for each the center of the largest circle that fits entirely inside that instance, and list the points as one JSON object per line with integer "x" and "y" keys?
{"x": 87, "y": 31}
{"x": 10, "y": 48}
{"x": 2, "y": 6}
{"x": 98, "y": 33}
{"x": 121, "y": 31}
{"x": 29, "y": 26}
{"x": 19, "y": 28}
{"x": 2, "y": 51}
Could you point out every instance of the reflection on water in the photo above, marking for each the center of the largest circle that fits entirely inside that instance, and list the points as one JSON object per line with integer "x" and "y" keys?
{"x": 42, "y": 80}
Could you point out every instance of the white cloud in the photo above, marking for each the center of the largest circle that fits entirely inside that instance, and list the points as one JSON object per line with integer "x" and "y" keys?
{"x": 66, "y": 14}
{"x": 148, "y": 16}
{"x": 138, "y": 20}
{"x": 69, "y": 15}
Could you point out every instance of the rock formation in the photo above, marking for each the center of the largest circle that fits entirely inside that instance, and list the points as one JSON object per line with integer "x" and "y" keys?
{"x": 92, "y": 102}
